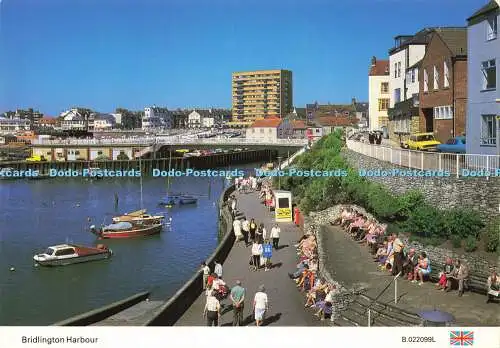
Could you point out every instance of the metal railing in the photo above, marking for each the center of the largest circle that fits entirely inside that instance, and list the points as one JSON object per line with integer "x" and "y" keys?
{"x": 454, "y": 164}
{"x": 393, "y": 280}
{"x": 171, "y": 140}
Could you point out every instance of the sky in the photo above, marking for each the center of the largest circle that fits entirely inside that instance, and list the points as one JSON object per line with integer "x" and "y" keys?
{"x": 104, "y": 54}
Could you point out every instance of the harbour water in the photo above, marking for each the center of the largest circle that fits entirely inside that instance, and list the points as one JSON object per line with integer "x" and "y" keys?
{"x": 37, "y": 214}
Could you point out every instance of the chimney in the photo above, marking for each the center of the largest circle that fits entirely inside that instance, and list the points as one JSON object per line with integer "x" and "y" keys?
{"x": 374, "y": 61}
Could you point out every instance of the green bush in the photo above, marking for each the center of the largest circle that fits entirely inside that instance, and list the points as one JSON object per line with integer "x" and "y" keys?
{"x": 456, "y": 241}
{"x": 426, "y": 221}
{"x": 462, "y": 223}
{"x": 409, "y": 201}
{"x": 470, "y": 244}
{"x": 491, "y": 235}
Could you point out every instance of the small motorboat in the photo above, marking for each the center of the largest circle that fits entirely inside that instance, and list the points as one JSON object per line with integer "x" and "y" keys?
{"x": 127, "y": 230}
{"x": 188, "y": 200}
{"x": 67, "y": 254}
{"x": 168, "y": 201}
{"x": 139, "y": 216}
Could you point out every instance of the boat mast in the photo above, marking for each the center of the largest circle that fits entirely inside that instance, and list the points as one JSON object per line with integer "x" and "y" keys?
{"x": 140, "y": 169}
{"x": 169, "y": 168}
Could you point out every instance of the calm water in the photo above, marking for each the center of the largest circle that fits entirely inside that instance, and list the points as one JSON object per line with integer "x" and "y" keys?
{"x": 37, "y": 214}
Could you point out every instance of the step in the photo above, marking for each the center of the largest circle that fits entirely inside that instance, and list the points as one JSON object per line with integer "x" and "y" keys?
{"x": 376, "y": 316}
{"x": 398, "y": 318}
{"x": 401, "y": 313}
{"x": 354, "y": 318}
{"x": 341, "y": 322}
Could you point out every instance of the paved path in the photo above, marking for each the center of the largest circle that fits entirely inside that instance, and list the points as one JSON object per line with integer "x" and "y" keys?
{"x": 286, "y": 303}
{"x": 352, "y": 265}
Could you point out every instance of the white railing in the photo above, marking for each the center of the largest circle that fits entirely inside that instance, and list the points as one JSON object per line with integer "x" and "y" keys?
{"x": 172, "y": 140}
{"x": 455, "y": 164}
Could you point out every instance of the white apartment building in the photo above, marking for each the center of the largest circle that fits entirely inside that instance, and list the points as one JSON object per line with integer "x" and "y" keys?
{"x": 104, "y": 122}
{"x": 270, "y": 129}
{"x": 403, "y": 67}
{"x": 378, "y": 94}
{"x": 73, "y": 120}
{"x": 10, "y": 126}
{"x": 194, "y": 119}
{"x": 156, "y": 118}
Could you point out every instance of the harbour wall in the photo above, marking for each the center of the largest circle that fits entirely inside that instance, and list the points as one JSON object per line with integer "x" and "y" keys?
{"x": 476, "y": 193}
{"x": 176, "y": 306}
{"x": 102, "y": 313}
{"x": 147, "y": 165}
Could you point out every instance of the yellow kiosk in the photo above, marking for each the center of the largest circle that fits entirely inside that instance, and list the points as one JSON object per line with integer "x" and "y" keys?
{"x": 283, "y": 206}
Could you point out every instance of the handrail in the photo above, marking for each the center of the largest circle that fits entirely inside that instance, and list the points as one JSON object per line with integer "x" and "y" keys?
{"x": 393, "y": 280}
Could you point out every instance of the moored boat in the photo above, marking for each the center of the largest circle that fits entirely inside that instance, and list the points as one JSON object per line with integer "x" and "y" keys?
{"x": 188, "y": 200}
{"x": 67, "y": 254}
{"x": 139, "y": 216}
{"x": 168, "y": 201}
{"x": 127, "y": 230}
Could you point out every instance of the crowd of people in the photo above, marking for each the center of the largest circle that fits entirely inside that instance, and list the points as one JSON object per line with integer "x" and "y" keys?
{"x": 394, "y": 256}
{"x": 319, "y": 294}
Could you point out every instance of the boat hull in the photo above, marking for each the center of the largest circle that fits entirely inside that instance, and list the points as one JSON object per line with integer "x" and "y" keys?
{"x": 74, "y": 260}
{"x": 188, "y": 201}
{"x": 135, "y": 233}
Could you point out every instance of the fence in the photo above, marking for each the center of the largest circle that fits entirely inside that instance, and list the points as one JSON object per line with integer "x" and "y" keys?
{"x": 455, "y": 164}
{"x": 171, "y": 140}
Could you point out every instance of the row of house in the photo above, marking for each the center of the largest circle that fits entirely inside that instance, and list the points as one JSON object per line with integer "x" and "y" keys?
{"x": 441, "y": 80}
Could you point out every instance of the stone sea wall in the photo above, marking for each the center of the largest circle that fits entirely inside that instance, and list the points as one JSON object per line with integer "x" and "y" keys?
{"x": 480, "y": 194}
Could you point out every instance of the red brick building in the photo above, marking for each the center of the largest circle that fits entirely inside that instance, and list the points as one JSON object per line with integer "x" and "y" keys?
{"x": 443, "y": 84}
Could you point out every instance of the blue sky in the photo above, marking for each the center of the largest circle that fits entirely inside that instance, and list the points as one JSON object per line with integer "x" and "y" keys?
{"x": 104, "y": 54}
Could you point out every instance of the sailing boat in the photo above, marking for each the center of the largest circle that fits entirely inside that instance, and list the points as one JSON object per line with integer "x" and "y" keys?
{"x": 169, "y": 200}
{"x": 135, "y": 224}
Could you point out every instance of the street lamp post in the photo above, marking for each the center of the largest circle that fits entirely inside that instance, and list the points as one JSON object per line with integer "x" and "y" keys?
{"x": 279, "y": 177}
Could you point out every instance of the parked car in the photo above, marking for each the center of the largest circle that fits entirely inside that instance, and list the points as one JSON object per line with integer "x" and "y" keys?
{"x": 36, "y": 158}
{"x": 453, "y": 145}
{"x": 421, "y": 142}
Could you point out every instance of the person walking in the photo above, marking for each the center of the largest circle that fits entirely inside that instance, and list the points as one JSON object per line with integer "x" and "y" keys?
{"x": 206, "y": 272}
{"x": 238, "y": 299}
{"x": 234, "y": 203}
{"x": 218, "y": 269}
{"x": 397, "y": 247}
{"x": 253, "y": 229}
{"x": 237, "y": 229}
{"x": 260, "y": 305}
{"x": 267, "y": 253}
{"x": 245, "y": 227}
{"x": 275, "y": 235}
{"x": 212, "y": 310}
{"x": 261, "y": 234}
{"x": 256, "y": 253}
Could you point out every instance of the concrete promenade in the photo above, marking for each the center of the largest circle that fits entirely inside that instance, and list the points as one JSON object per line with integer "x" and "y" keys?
{"x": 286, "y": 303}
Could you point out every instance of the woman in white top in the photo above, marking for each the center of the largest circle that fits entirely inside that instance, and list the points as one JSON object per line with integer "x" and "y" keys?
{"x": 245, "y": 227}
{"x": 237, "y": 229}
{"x": 256, "y": 253}
{"x": 275, "y": 235}
{"x": 212, "y": 310}
{"x": 260, "y": 305}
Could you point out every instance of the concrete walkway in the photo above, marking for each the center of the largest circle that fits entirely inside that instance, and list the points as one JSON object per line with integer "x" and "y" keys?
{"x": 286, "y": 303}
{"x": 352, "y": 264}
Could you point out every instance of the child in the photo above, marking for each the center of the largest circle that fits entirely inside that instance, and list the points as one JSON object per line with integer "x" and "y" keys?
{"x": 267, "y": 254}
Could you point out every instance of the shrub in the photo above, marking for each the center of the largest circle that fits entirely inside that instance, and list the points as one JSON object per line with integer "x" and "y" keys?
{"x": 491, "y": 235}
{"x": 470, "y": 244}
{"x": 383, "y": 204}
{"x": 409, "y": 201}
{"x": 426, "y": 221}
{"x": 456, "y": 241}
{"x": 463, "y": 223}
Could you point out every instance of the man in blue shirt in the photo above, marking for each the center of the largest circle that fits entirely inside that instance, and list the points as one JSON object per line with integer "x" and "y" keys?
{"x": 267, "y": 254}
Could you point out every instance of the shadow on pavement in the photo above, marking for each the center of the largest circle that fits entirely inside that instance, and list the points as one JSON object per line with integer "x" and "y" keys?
{"x": 271, "y": 319}
{"x": 276, "y": 265}
{"x": 282, "y": 247}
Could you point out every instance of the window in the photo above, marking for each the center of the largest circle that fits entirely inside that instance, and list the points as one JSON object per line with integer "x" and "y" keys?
{"x": 384, "y": 87}
{"x": 395, "y": 69}
{"x": 383, "y": 104}
{"x": 397, "y": 95}
{"x": 443, "y": 112}
{"x": 399, "y": 69}
{"x": 491, "y": 28}
{"x": 262, "y": 130}
{"x": 446, "y": 75}
{"x": 436, "y": 78}
{"x": 489, "y": 70}
{"x": 488, "y": 130}
{"x": 426, "y": 81}
{"x": 412, "y": 75}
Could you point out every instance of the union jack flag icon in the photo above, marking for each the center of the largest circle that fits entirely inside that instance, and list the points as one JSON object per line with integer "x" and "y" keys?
{"x": 461, "y": 338}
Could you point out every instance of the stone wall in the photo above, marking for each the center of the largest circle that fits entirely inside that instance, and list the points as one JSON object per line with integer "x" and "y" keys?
{"x": 480, "y": 194}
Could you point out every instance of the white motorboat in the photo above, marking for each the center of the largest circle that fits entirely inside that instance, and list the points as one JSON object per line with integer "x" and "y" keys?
{"x": 67, "y": 254}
